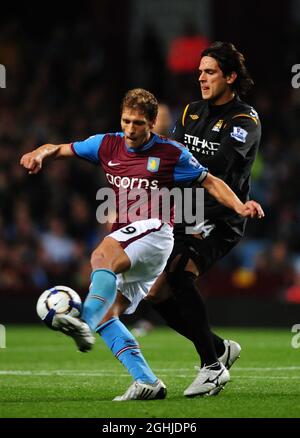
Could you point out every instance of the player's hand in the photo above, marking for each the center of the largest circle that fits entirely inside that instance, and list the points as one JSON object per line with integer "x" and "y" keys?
{"x": 32, "y": 161}
{"x": 252, "y": 209}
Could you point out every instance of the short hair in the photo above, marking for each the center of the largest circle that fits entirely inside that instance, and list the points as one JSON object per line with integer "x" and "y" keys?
{"x": 141, "y": 100}
{"x": 230, "y": 59}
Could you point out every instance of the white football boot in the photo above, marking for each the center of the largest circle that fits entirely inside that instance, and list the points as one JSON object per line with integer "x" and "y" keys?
{"x": 144, "y": 391}
{"x": 75, "y": 328}
{"x": 208, "y": 381}
{"x": 231, "y": 353}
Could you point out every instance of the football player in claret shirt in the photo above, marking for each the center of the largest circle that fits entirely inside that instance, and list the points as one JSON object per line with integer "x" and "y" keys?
{"x": 127, "y": 261}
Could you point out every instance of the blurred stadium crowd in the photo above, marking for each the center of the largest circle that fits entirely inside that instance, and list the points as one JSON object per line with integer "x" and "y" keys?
{"x": 58, "y": 90}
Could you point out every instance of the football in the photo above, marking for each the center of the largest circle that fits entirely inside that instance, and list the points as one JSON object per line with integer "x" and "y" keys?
{"x": 58, "y": 300}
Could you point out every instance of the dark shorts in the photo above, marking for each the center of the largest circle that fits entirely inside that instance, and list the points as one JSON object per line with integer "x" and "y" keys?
{"x": 204, "y": 252}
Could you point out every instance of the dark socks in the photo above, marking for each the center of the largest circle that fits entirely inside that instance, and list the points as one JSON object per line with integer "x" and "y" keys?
{"x": 170, "y": 311}
{"x": 186, "y": 313}
{"x": 219, "y": 344}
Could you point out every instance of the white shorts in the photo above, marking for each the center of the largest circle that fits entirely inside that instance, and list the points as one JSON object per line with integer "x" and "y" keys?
{"x": 148, "y": 244}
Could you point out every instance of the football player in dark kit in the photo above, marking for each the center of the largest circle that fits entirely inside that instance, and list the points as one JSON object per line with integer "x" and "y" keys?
{"x": 223, "y": 133}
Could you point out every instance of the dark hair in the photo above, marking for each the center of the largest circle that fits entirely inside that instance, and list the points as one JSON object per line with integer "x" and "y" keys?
{"x": 230, "y": 59}
{"x": 141, "y": 100}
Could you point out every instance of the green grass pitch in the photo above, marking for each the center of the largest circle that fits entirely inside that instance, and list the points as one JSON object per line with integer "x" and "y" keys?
{"x": 42, "y": 375}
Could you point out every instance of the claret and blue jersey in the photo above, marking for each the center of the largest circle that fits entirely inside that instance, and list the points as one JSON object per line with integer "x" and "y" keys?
{"x": 159, "y": 163}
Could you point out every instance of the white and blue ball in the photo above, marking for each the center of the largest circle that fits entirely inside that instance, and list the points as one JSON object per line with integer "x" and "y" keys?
{"x": 56, "y": 301}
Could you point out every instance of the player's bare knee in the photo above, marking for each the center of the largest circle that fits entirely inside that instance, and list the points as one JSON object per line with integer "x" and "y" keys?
{"x": 99, "y": 260}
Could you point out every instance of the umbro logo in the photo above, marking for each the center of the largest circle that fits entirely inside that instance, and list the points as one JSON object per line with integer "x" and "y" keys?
{"x": 194, "y": 116}
{"x": 111, "y": 164}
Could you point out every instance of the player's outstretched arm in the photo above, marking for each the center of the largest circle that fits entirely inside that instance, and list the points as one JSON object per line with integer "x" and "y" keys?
{"x": 223, "y": 194}
{"x": 33, "y": 160}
